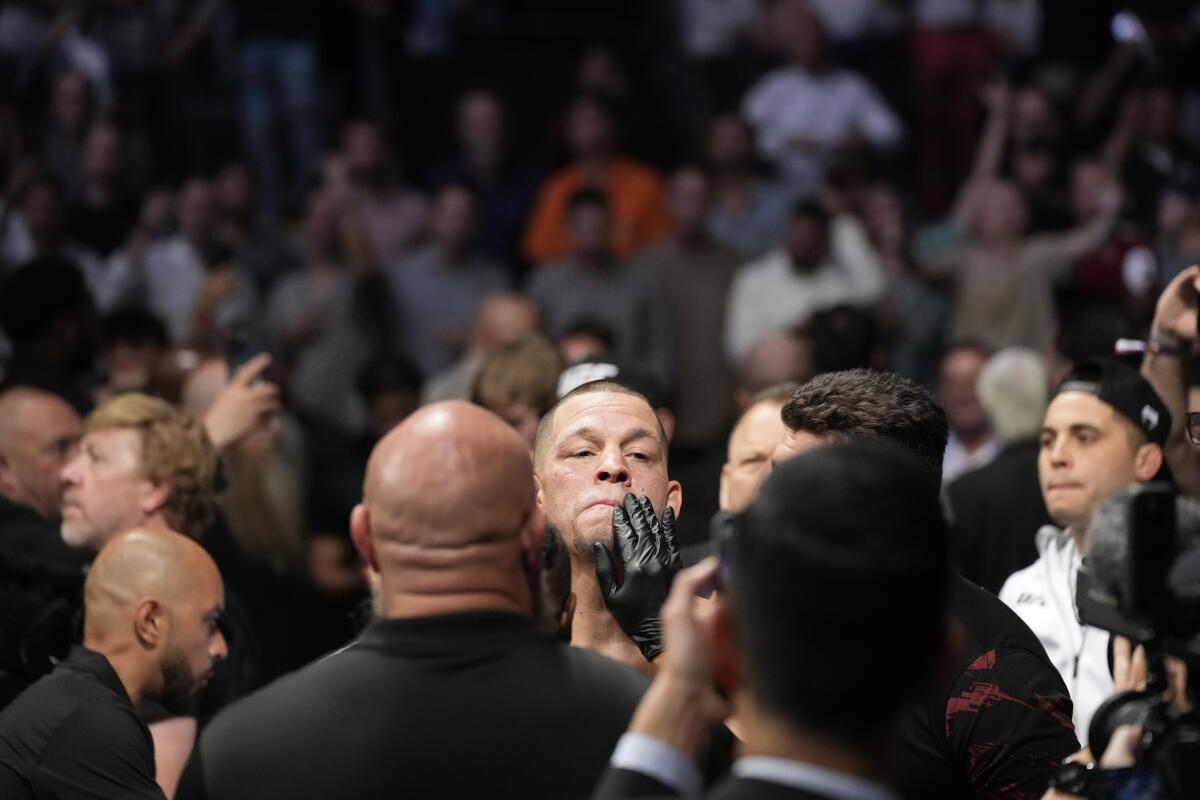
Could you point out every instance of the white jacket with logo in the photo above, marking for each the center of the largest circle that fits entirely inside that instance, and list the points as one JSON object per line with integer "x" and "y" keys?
{"x": 1043, "y": 595}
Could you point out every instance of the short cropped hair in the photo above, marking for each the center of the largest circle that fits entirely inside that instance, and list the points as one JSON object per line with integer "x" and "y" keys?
{"x": 542, "y": 440}
{"x": 176, "y": 451}
{"x": 867, "y": 404}
{"x": 856, "y": 531}
{"x": 522, "y": 373}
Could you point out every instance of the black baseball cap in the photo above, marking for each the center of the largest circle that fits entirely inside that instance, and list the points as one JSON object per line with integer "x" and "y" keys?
{"x": 1122, "y": 387}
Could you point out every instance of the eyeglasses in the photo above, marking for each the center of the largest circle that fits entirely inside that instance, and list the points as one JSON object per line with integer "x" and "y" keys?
{"x": 1191, "y": 424}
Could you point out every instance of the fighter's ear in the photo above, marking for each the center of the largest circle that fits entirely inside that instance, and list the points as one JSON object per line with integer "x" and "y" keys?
{"x": 675, "y": 497}
{"x": 1148, "y": 461}
{"x": 360, "y": 533}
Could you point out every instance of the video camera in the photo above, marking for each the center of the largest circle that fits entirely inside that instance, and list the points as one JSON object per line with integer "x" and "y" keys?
{"x": 1141, "y": 579}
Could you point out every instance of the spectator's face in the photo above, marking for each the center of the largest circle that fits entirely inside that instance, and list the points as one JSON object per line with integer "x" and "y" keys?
{"x": 601, "y": 445}
{"x": 729, "y": 144}
{"x": 957, "y": 379}
{"x": 42, "y": 210}
{"x": 481, "y": 126}
{"x": 105, "y": 492}
{"x": 34, "y": 448}
{"x": 1001, "y": 216}
{"x": 883, "y": 219}
{"x": 102, "y": 153}
{"x": 70, "y": 103}
{"x": 798, "y": 33}
{"x": 805, "y": 239}
{"x": 1034, "y": 116}
{"x": 590, "y": 231}
{"x": 364, "y": 150}
{"x": 589, "y": 130}
{"x": 453, "y": 222}
{"x": 320, "y": 222}
{"x": 1087, "y": 187}
{"x": 1086, "y": 453}
{"x": 751, "y": 446}
{"x": 687, "y": 202}
{"x": 194, "y": 641}
{"x": 1174, "y": 209}
{"x": 194, "y": 210}
{"x": 234, "y": 190}
{"x": 1034, "y": 167}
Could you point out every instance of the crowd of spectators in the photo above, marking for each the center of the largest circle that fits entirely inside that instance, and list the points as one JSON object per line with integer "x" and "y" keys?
{"x": 303, "y": 221}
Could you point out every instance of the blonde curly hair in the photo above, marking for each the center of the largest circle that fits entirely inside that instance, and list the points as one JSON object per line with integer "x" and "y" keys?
{"x": 176, "y": 451}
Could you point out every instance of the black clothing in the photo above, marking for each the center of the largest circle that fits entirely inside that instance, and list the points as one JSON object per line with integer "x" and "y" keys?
{"x": 462, "y": 705}
{"x": 1004, "y": 720}
{"x": 25, "y": 535}
{"x": 995, "y": 509}
{"x": 74, "y": 734}
{"x": 41, "y": 586}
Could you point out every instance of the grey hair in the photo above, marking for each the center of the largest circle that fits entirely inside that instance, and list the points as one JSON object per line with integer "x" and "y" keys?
{"x": 1013, "y": 389}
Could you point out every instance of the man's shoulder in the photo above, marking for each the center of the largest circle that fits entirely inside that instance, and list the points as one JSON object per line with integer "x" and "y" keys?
{"x": 996, "y": 632}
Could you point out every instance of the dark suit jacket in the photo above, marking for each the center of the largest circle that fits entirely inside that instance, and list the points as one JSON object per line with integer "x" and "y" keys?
{"x": 998, "y": 509}
{"x": 465, "y": 705}
{"x": 622, "y": 784}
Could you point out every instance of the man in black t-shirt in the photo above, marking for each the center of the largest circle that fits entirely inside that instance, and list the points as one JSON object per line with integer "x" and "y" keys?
{"x": 1002, "y": 720}
{"x": 153, "y": 599}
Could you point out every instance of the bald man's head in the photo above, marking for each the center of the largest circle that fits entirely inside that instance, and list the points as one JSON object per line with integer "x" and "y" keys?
{"x": 152, "y": 604}
{"x": 38, "y": 435}
{"x": 447, "y": 503}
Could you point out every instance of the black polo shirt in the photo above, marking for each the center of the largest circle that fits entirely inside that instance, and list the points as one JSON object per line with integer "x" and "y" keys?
{"x": 462, "y": 705}
{"x": 74, "y": 734}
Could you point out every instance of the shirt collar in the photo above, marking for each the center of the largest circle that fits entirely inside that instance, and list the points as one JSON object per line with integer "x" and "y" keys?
{"x": 810, "y": 778}
{"x": 434, "y": 635}
{"x": 81, "y": 659}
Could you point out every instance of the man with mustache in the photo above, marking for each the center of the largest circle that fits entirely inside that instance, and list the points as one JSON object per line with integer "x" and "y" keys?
{"x": 152, "y": 600}
{"x": 1104, "y": 430}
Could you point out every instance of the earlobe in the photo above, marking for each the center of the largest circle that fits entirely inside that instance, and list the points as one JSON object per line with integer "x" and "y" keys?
{"x": 723, "y": 491}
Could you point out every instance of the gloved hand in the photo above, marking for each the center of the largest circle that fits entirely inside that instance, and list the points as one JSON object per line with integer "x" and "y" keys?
{"x": 650, "y": 555}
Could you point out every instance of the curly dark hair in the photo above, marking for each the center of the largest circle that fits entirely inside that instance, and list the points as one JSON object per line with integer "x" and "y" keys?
{"x": 866, "y": 404}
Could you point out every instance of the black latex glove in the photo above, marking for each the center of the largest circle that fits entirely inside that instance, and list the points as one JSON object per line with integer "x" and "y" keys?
{"x": 650, "y": 555}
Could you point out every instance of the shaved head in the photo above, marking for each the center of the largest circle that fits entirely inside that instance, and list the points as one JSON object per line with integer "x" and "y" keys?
{"x": 38, "y": 435}
{"x": 447, "y": 502}
{"x": 152, "y": 601}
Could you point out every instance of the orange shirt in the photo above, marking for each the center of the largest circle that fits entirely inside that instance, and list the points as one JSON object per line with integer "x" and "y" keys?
{"x": 635, "y": 197}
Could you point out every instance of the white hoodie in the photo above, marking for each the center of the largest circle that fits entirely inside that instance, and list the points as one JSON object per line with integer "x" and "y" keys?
{"x": 1043, "y": 595}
